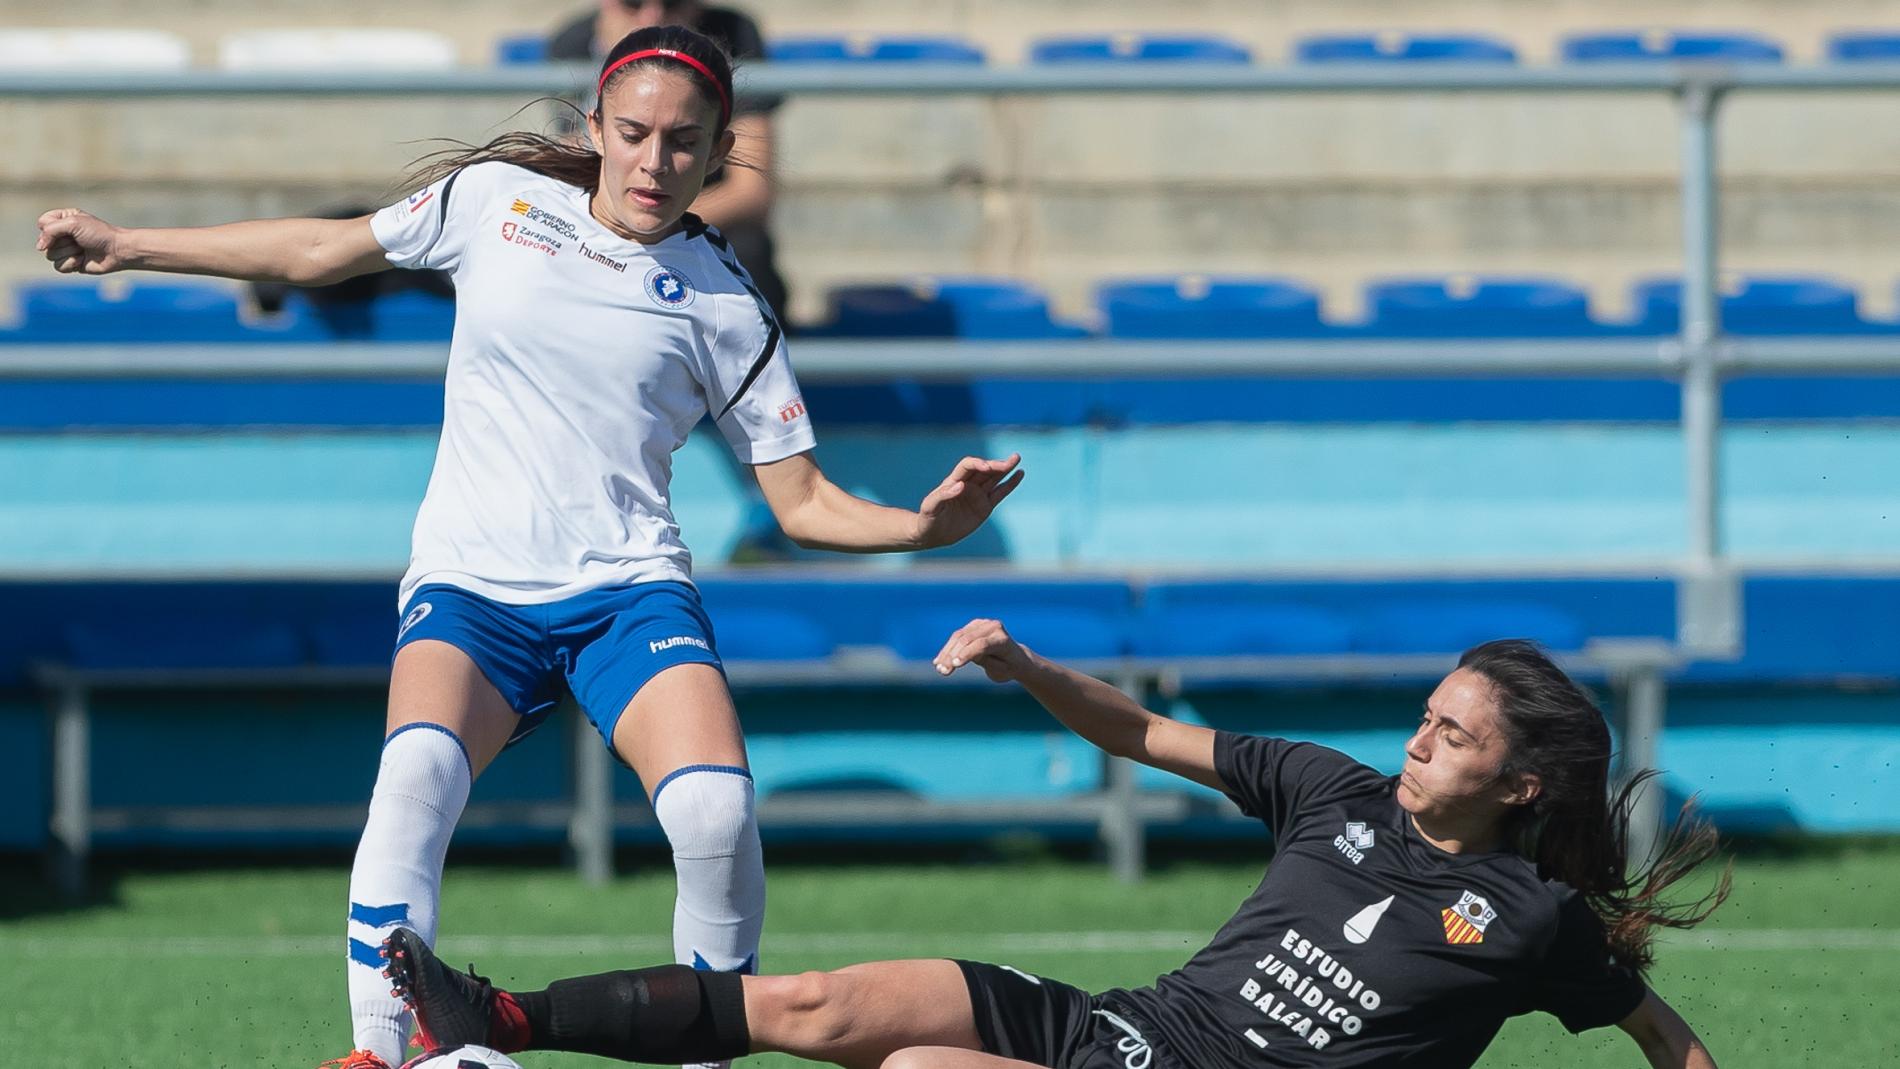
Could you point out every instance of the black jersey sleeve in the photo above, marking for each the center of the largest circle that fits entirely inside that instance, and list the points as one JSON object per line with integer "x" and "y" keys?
{"x": 1275, "y": 779}
{"x": 1577, "y": 982}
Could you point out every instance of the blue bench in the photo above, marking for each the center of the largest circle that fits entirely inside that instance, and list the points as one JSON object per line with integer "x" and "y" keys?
{"x": 1761, "y": 305}
{"x": 1481, "y": 307}
{"x": 1211, "y": 307}
{"x": 912, "y": 49}
{"x": 991, "y": 309}
{"x": 1402, "y": 48}
{"x": 1140, "y": 48}
{"x": 1872, "y": 46}
{"x": 1677, "y": 46}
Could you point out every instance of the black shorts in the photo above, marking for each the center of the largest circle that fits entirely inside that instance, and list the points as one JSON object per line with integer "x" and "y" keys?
{"x": 1052, "y": 1024}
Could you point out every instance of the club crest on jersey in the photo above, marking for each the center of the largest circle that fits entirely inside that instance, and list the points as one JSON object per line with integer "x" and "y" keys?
{"x": 669, "y": 288}
{"x": 1357, "y": 840}
{"x": 515, "y": 234}
{"x": 1466, "y": 921}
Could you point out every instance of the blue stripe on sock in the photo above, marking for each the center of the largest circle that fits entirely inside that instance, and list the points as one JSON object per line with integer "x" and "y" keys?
{"x": 748, "y": 967}
{"x": 379, "y": 916}
{"x": 443, "y": 730}
{"x": 730, "y": 770}
{"x": 364, "y": 954}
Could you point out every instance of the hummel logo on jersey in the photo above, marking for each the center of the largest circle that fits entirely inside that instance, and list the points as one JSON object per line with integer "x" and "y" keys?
{"x": 604, "y": 261}
{"x": 659, "y": 645}
{"x": 669, "y": 288}
{"x": 1354, "y": 844}
{"x": 544, "y": 218}
{"x": 1466, "y": 921}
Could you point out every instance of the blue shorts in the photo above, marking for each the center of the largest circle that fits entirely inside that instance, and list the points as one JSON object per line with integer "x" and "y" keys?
{"x": 601, "y": 646}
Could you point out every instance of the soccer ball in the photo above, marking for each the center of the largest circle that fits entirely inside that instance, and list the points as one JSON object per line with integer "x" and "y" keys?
{"x": 469, "y": 1057}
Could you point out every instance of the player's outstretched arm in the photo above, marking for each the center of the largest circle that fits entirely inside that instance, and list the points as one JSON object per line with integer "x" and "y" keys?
{"x": 1098, "y": 712}
{"x": 1667, "y": 1040}
{"x": 818, "y": 514}
{"x": 302, "y": 252}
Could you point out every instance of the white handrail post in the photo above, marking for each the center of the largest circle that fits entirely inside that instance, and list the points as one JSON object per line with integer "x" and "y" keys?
{"x": 1708, "y": 599}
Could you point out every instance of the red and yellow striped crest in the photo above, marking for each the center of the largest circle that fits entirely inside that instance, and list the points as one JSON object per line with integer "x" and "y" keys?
{"x": 521, "y": 207}
{"x": 1458, "y": 930}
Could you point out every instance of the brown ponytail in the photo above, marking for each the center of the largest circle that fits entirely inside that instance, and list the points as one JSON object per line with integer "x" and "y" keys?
{"x": 573, "y": 161}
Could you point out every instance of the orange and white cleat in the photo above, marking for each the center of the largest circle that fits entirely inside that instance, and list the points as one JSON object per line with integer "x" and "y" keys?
{"x": 356, "y": 1059}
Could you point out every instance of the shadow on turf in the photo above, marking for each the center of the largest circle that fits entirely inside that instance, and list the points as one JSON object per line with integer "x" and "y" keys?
{"x": 27, "y": 889}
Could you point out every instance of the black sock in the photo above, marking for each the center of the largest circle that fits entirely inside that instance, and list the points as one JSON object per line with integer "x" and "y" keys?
{"x": 669, "y": 1014}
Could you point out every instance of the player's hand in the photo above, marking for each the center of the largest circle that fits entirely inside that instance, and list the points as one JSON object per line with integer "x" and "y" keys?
{"x": 77, "y": 242}
{"x": 985, "y": 644}
{"x": 965, "y": 498}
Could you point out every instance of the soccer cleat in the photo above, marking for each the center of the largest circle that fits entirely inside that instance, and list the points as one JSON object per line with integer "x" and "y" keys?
{"x": 356, "y": 1059}
{"x": 452, "y": 1009}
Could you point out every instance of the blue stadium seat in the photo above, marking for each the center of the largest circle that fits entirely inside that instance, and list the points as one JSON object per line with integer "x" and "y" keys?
{"x": 403, "y": 316}
{"x": 1685, "y": 46}
{"x": 412, "y": 315}
{"x": 521, "y": 49}
{"x": 1871, "y": 46}
{"x": 873, "y": 50}
{"x": 1139, "y": 48}
{"x": 141, "y": 311}
{"x": 1210, "y": 308}
{"x": 887, "y": 311}
{"x": 1451, "y": 626}
{"x": 1402, "y": 48}
{"x": 1087, "y": 617}
{"x": 769, "y": 633}
{"x": 183, "y": 638}
{"x": 1001, "y": 308}
{"x": 1484, "y": 307}
{"x": 983, "y": 308}
{"x": 1237, "y": 619}
{"x": 1060, "y": 631}
{"x": 1791, "y": 304}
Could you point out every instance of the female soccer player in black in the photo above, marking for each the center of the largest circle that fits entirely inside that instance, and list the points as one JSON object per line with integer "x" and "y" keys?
{"x": 1402, "y": 920}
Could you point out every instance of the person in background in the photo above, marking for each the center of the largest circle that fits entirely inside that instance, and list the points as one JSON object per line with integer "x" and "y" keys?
{"x": 738, "y": 197}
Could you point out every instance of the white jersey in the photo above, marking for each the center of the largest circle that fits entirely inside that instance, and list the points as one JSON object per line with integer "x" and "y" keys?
{"x": 580, "y": 362}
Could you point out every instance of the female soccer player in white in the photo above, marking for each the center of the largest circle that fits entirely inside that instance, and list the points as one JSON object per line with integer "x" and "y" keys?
{"x": 597, "y": 321}
{"x": 1402, "y": 920}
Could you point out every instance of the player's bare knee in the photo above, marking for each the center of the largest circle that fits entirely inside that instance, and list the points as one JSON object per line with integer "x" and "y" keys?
{"x": 908, "y": 1058}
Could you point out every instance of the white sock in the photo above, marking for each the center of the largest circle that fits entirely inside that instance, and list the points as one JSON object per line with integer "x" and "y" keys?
{"x": 708, "y": 816}
{"x": 706, "y": 812}
{"x": 421, "y": 786}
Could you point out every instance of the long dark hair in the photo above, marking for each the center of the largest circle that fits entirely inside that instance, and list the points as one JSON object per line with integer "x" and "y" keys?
{"x": 573, "y": 160}
{"x": 1575, "y": 830}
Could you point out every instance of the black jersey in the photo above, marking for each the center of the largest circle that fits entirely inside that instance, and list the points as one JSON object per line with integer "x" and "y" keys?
{"x": 1366, "y": 945}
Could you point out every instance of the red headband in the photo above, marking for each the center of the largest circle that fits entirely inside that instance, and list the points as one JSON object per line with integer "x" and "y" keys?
{"x": 725, "y": 102}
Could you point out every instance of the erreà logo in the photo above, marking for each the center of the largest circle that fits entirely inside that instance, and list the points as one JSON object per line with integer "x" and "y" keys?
{"x": 604, "y": 261}
{"x": 669, "y": 288}
{"x": 1357, "y": 840}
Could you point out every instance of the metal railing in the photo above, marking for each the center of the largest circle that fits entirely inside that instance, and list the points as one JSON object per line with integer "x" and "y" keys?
{"x": 1709, "y": 605}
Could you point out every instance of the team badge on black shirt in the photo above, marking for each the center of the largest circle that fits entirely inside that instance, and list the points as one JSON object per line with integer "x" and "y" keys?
{"x": 1466, "y": 921}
